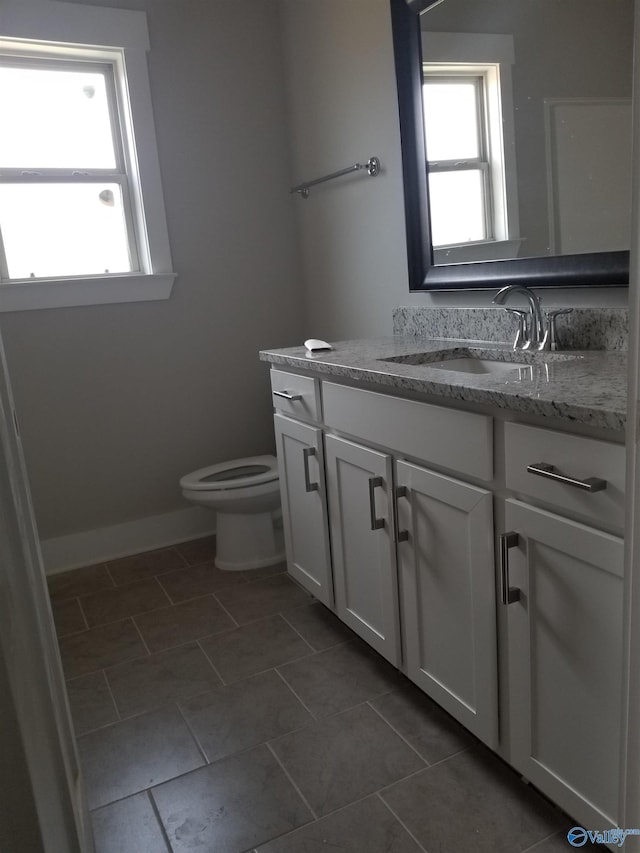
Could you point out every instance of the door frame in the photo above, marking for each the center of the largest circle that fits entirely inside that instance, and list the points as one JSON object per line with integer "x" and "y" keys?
{"x": 53, "y": 798}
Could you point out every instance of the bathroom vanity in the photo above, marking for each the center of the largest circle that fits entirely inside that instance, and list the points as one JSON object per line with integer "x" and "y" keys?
{"x": 467, "y": 523}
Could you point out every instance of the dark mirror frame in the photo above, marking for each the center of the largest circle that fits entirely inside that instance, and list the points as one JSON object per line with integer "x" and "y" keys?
{"x": 601, "y": 269}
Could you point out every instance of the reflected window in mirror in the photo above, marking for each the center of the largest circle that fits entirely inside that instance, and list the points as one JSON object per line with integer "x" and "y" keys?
{"x": 567, "y": 104}
{"x": 457, "y": 157}
{"x": 469, "y": 129}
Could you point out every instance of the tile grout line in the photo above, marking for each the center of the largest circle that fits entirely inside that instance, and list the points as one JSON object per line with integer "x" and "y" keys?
{"x": 394, "y": 729}
{"x": 207, "y": 763}
{"x": 290, "y": 778}
{"x": 153, "y": 575}
{"x": 108, "y": 571}
{"x": 454, "y": 755}
{"x": 156, "y": 812}
{"x": 235, "y": 621}
{"x": 283, "y": 616}
{"x": 404, "y": 779}
{"x": 258, "y": 672}
{"x": 163, "y": 591}
{"x": 143, "y": 656}
{"x": 113, "y": 698}
{"x": 149, "y": 788}
{"x": 400, "y": 821}
{"x": 144, "y": 642}
{"x": 176, "y": 551}
{"x": 197, "y": 642}
{"x": 84, "y": 616}
{"x": 304, "y": 705}
{"x": 130, "y": 615}
{"x": 346, "y": 806}
{"x": 148, "y": 577}
{"x": 537, "y": 844}
{"x": 101, "y": 668}
{"x": 209, "y": 661}
{"x": 148, "y": 653}
{"x": 71, "y": 633}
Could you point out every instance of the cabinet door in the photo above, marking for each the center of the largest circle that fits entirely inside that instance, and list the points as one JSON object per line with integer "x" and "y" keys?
{"x": 448, "y": 593}
{"x": 304, "y": 506}
{"x": 565, "y": 651}
{"x": 359, "y": 482}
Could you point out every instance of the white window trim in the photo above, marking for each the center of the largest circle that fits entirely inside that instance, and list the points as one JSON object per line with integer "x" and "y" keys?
{"x": 496, "y": 50}
{"x": 51, "y": 22}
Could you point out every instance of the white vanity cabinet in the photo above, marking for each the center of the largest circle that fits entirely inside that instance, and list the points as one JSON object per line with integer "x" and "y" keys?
{"x": 360, "y": 491}
{"x": 411, "y": 492}
{"x": 447, "y": 582}
{"x": 441, "y": 540}
{"x": 562, "y": 586}
{"x": 565, "y": 660}
{"x": 300, "y": 449}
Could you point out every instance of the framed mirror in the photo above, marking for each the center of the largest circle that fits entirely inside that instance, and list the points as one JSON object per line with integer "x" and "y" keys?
{"x": 542, "y": 197}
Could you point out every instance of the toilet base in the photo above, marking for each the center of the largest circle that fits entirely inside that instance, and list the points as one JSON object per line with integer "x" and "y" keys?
{"x": 247, "y": 541}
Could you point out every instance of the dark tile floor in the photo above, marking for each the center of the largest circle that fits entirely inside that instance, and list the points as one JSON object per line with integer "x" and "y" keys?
{"x": 227, "y": 712}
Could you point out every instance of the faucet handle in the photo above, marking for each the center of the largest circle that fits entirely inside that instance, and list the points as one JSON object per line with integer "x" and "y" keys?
{"x": 522, "y": 335}
{"x": 551, "y": 325}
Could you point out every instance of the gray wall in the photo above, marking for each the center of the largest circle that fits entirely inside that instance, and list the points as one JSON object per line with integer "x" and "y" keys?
{"x": 117, "y": 402}
{"x": 343, "y": 109}
{"x": 341, "y": 84}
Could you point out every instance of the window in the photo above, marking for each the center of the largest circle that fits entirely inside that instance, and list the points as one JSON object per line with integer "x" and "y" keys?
{"x": 469, "y": 131}
{"x": 64, "y": 189}
{"x": 81, "y": 209}
{"x": 458, "y": 158}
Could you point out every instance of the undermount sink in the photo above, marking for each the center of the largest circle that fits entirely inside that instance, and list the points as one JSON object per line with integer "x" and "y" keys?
{"x": 483, "y": 360}
{"x": 478, "y": 365}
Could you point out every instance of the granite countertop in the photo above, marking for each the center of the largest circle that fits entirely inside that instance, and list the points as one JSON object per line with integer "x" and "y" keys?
{"x": 587, "y": 387}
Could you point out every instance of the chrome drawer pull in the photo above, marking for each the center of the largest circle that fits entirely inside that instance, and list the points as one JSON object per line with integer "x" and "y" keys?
{"x": 287, "y": 396}
{"x": 374, "y": 483}
{"x": 510, "y": 594}
{"x": 591, "y": 484}
{"x": 308, "y": 485}
{"x": 401, "y": 492}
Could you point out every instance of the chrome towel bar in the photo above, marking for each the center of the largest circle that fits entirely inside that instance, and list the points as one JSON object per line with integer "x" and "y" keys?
{"x": 372, "y": 166}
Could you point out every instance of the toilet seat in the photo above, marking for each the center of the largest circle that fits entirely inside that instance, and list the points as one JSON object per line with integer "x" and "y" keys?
{"x": 234, "y": 474}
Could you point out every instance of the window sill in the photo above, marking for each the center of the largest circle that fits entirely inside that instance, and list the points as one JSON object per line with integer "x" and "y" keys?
{"x": 494, "y": 250}
{"x": 30, "y": 295}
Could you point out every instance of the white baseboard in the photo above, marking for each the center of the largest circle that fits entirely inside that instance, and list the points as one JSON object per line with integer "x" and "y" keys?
{"x": 121, "y": 540}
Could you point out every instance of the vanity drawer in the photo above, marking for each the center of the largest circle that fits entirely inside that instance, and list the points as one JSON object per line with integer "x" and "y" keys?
{"x": 574, "y": 457}
{"x": 450, "y": 438}
{"x": 295, "y": 395}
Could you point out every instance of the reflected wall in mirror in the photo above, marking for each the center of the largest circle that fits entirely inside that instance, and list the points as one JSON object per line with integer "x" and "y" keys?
{"x": 547, "y": 148}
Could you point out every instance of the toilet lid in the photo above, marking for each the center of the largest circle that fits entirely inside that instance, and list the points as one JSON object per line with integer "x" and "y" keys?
{"x": 234, "y": 474}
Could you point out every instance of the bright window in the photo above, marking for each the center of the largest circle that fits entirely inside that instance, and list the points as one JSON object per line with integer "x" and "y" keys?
{"x": 458, "y": 160}
{"x": 81, "y": 210}
{"x": 64, "y": 189}
{"x": 470, "y": 137}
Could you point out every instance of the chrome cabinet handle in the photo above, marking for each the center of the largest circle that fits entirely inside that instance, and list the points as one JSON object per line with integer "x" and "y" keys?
{"x": 591, "y": 484}
{"x": 510, "y": 594}
{"x": 374, "y": 483}
{"x": 401, "y": 492}
{"x": 308, "y": 485}
{"x": 287, "y": 396}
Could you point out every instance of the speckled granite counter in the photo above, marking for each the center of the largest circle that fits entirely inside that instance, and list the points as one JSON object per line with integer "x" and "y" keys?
{"x": 588, "y": 387}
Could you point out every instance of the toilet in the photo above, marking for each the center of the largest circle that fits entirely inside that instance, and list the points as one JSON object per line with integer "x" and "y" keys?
{"x": 245, "y": 493}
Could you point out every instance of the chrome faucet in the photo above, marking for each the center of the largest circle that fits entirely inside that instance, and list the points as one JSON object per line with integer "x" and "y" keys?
{"x": 536, "y": 335}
